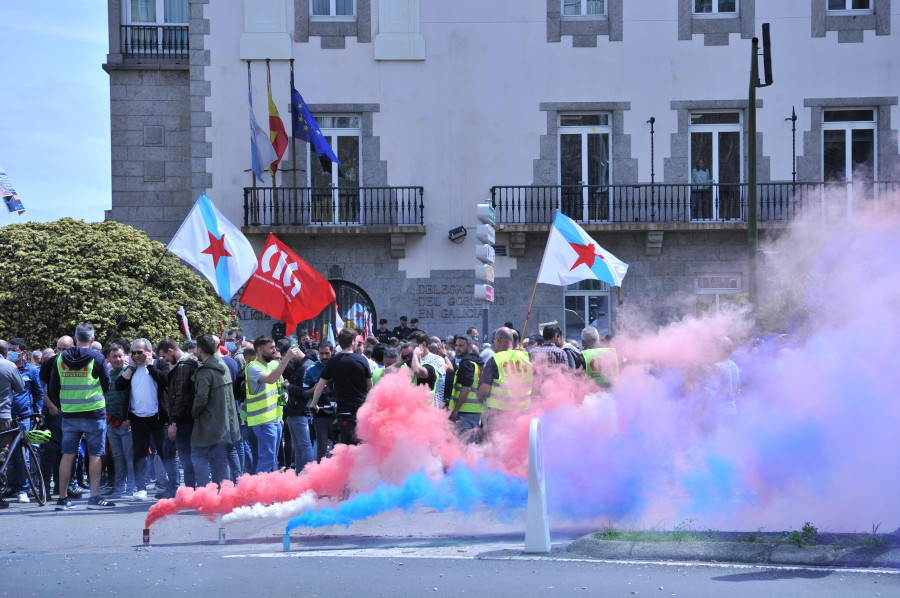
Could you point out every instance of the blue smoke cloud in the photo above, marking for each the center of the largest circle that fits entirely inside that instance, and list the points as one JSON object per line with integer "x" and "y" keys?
{"x": 462, "y": 488}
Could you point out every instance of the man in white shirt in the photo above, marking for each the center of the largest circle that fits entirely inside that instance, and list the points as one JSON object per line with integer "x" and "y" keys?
{"x": 146, "y": 408}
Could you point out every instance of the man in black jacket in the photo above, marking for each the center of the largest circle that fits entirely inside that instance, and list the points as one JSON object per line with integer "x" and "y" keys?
{"x": 402, "y": 331}
{"x": 296, "y": 411}
{"x": 146, "y": 409}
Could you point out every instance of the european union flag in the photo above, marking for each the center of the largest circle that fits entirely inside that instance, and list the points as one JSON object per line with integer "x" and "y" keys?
{"x": 304, "y": 127}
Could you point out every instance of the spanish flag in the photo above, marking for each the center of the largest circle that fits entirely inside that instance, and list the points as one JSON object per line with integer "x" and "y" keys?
{"x": 277, "y": 133}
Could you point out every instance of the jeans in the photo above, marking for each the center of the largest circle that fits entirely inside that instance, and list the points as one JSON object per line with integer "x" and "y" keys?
{"x": 50, "y": 452}
{"x": 234, "y": 461}
{"x": 122, "y": 450}
{"x": 347, "y": 428}
{"x": 93, "y": 431}
{"x": 322, "y": 427}
{"x": 301, "y": 445}
{"x": 183, "y": 446}
{"x": 142, "y": 429}
{"x": 267, "y": 436}
{"x": 170, "y": 462}
{"x": 18, "y": 481}
{"x": 213, "y": 457}
{"x": 250, "y": 453}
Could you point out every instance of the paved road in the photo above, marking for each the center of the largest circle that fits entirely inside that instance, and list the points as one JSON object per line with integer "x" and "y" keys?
{"x": 48, "y": 553}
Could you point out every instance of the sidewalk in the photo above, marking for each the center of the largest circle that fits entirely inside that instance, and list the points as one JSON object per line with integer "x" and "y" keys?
{"x": 831, "y": 550}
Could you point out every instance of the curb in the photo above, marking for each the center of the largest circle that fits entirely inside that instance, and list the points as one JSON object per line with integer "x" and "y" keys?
{"x": 737, "y": 552}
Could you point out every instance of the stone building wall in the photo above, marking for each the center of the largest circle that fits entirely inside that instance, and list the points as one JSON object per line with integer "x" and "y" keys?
{"x": 151, "y": 149}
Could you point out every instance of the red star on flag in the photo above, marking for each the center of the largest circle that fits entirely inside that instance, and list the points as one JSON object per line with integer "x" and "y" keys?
{"x": 586, "y": 255}
{"x": 216, "y": 248}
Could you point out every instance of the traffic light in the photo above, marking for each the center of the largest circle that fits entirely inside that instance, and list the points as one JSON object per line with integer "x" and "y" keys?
{"x": 767, "y": 56}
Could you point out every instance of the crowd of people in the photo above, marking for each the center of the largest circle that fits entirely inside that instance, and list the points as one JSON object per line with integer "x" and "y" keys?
{"x": 138, "y": 418}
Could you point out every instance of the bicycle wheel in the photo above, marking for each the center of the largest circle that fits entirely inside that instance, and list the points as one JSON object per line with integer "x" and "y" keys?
{"x": 33, "y": 471}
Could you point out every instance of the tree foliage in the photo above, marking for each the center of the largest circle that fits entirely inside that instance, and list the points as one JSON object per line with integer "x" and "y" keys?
{"x": 55, "y": 275}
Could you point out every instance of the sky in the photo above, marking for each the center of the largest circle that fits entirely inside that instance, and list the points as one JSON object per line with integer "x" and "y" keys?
{"x": 54, "y": 114}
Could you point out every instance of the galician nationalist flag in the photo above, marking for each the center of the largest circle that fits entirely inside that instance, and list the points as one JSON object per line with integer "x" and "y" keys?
{"x": 359, "y": 315}
{"x": 215, "y": 247}
{"x": 572, "y": 256}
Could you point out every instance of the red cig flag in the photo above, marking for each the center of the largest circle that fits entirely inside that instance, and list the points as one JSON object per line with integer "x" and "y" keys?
{"x": 285, "y": 287}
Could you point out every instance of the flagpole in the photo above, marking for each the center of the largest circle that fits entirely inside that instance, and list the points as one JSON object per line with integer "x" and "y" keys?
{"x": 135, "y": 298}
{"x": 293, "y": 140}
{"x": 255, "y": 201}
{"x": 534, "y": 292}
{"x": 274, "y": 185}
{"x": 234, "y": 311}
{"x": 528, "y": 315}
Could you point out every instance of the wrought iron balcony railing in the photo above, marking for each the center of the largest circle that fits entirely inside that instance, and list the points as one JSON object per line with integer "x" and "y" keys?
{"x": 155, "y": 41}
{"x": 644, "y": 202}
{"x": 338, "y": 206}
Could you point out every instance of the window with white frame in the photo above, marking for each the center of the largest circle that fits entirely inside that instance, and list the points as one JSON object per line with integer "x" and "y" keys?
{"x": 585, "y": 153}
{"x": 716, "y": 7}
{"x": 849, "y": 6}
{"x": 335, "y": 189}
{"x": 586, "y": 304}
{"x": 717, "y": 292}
{"x": 332, "y": 9}
{"x": 155, "y": 27}
{"x": 583, "y": 8}
{"x": 158, "y": 12}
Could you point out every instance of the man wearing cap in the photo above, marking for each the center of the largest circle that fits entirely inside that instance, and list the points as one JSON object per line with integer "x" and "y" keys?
{"x": 383, "y": 334}
{"x": 415, "y": 326}
{"x": 402, "y": 331}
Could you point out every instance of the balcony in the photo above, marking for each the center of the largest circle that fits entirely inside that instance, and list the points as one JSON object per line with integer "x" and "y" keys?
{"x": 645, "y": 206}
{"x": 155, "y": 42}
{"x": 344, "y": 209}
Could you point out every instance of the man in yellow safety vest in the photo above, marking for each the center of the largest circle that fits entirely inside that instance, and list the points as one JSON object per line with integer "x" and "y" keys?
{"x": 263, "y": 376}
{"x": 505, "y": 383}
{"x": 77, "y": 387}
{"x": 601, "y": 363}
{"x": 466, "y": 406}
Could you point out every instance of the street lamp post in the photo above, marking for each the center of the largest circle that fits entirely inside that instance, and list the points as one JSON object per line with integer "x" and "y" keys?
{"x": 793, "y": 119}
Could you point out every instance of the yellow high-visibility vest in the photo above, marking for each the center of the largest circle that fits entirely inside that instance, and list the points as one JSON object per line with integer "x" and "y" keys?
{"x": 79, "y": 389}
{"x": 472, "y": 404}
{"x": 262, "y": 407}
{"x": 600, "y": 363}
{"x": 512, "y": 389}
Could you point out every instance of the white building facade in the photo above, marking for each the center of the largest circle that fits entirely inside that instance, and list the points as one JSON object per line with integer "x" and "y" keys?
{"x": 631, "y": 117}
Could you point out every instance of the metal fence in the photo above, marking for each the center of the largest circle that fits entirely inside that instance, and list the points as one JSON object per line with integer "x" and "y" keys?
{"x": 535, "y": 204}
{"x": 327, "y": 206}
{"x": 155, "y": 41}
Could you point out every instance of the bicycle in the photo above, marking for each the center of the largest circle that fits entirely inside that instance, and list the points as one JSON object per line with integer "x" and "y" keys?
{"x": 23, "y": 442}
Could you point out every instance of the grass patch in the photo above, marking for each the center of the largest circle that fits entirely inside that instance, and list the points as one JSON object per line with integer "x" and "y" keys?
{"x": 683, "y": 532}
{"x": 876, "y": 540}
{"x": 806, "y": 536}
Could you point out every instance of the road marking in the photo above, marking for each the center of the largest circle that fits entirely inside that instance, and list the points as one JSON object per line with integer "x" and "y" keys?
{"x": 488, "y": 552}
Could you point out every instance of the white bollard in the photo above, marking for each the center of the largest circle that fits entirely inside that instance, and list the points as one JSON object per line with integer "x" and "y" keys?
{"x": 537, "y": 528}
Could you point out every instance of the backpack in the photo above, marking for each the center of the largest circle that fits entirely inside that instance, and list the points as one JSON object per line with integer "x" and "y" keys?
{"x": 577, "y": 356}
